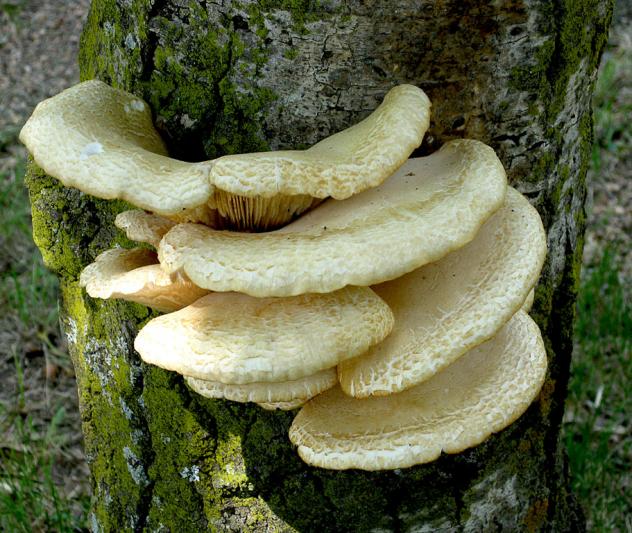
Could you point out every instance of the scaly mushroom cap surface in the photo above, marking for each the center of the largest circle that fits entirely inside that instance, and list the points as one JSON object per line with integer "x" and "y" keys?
{"x": 234, "y": 338}
{"x": 481, "y": 393}
{"x": 339, "y": 166}
{"x": 301, "y": 389}
{"x": 428, "y": 208}
{"x": 267, "y": 189}
{"x": 444, "y": 309}
{"x": 141, "y": 226}
{"x": 101, "y": 141}
{"x": 136, "y": 276}
{"x": 528, "y": 303}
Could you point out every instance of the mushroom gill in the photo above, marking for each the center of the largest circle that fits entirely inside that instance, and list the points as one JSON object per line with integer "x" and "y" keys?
{"x": 428, "y": 208}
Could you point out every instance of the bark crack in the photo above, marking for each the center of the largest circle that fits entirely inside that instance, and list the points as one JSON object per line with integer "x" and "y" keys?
{"x": 151, "y": 44}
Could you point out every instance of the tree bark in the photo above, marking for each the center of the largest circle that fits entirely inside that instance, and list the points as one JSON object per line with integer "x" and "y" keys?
{"x": 232, "y": 76}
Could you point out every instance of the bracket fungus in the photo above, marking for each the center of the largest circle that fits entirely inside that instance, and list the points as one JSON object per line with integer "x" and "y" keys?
{"x": 295, "y": 392}
{"x": 136, "y": 276}
{"x": 429, "y": 207}
{"x": 234, "y": 338}
{"x": 481, "y": 393}
{"x": 102, "y": 141}
{"x": 144, "y": 227}
{"x": 267, "y": 189}
{"x": 454, "y": 251}
{"x": 445, "y": 308}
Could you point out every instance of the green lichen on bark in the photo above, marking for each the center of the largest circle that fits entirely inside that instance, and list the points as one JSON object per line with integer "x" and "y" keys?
{"x": 180, "y": 58}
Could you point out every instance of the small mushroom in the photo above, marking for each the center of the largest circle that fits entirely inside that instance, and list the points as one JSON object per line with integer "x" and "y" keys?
{"x": 301, "y": 389}
{"x": 444, "y": 309}
{"x": 267, "y": 189}
{"x": 481, "y": 393}
{"x": 429, "y": 207}
{"x": 136, "y": 276}
{"x": 141, "y": 226}
{"x": 102, "y": 141}
{"x": 236, "y": 339}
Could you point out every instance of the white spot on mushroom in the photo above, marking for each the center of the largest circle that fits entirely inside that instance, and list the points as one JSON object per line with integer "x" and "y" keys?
{"x": 91, "y": 149}
{"x": 191, "y": 473}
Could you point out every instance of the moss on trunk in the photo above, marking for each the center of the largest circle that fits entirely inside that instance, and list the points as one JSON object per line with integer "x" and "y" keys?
{"x": 243, "y": 76}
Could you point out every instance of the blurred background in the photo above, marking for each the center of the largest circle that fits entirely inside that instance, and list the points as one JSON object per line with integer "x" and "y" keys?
{"x": 44, "y": 480}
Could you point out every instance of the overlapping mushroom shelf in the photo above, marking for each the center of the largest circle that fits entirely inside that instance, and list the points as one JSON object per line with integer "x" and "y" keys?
{"x": 394, "y": 312}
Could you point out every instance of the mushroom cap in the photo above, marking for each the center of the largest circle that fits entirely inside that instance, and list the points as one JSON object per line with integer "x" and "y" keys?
{"x": 429, "y": 207}
{"x": 528, "y": 303}
{"x": 481, "y": 393}
{"x": 136, "y": 276}
{"x": 266, "y": 392}
{"x": 101, "y": 141}
{"x": 141, "y": 226}
{"x": 445, "y": 308}
{"x": 283, "y": 406}
{"x": 339, "y": 166}
{"x": 234, "y": 338}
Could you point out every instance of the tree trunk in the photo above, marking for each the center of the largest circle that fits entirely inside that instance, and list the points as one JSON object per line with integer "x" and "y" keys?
{"x": 232, "y": 76}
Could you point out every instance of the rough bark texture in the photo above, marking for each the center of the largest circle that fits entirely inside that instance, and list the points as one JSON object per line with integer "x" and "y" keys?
{"x": 240, "y": 76}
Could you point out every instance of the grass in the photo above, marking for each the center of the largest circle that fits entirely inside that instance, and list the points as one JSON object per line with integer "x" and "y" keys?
{"x": 35, "y": 426}
{"x": 26, "y": 286}
{"x": 597, "y": 432}
{"x": 613, "y": 130}
{"x": 29, "y": 497}
{"x": 12, "y": 7}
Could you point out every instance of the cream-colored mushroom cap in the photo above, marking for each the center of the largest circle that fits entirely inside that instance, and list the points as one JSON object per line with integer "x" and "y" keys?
{"x": 428, "y": 208}
{"x": 136, "y": 276}
{"x": 481, "y": 393}
{"x": 301, "y": 389}
{"x": 234, "y": 338}
{"x": 446, "y": 308}
{"x": 102, "y": 141}
{"x": 339, "y": 166}
{"x": 528, "y": 303}
{"x": 267, "y": 189}
{"x": 283, "y": 406}
{"x": 141, "y": 226}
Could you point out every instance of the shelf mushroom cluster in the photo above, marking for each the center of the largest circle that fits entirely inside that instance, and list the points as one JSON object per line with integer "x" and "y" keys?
{"x": 393, "y": 309}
